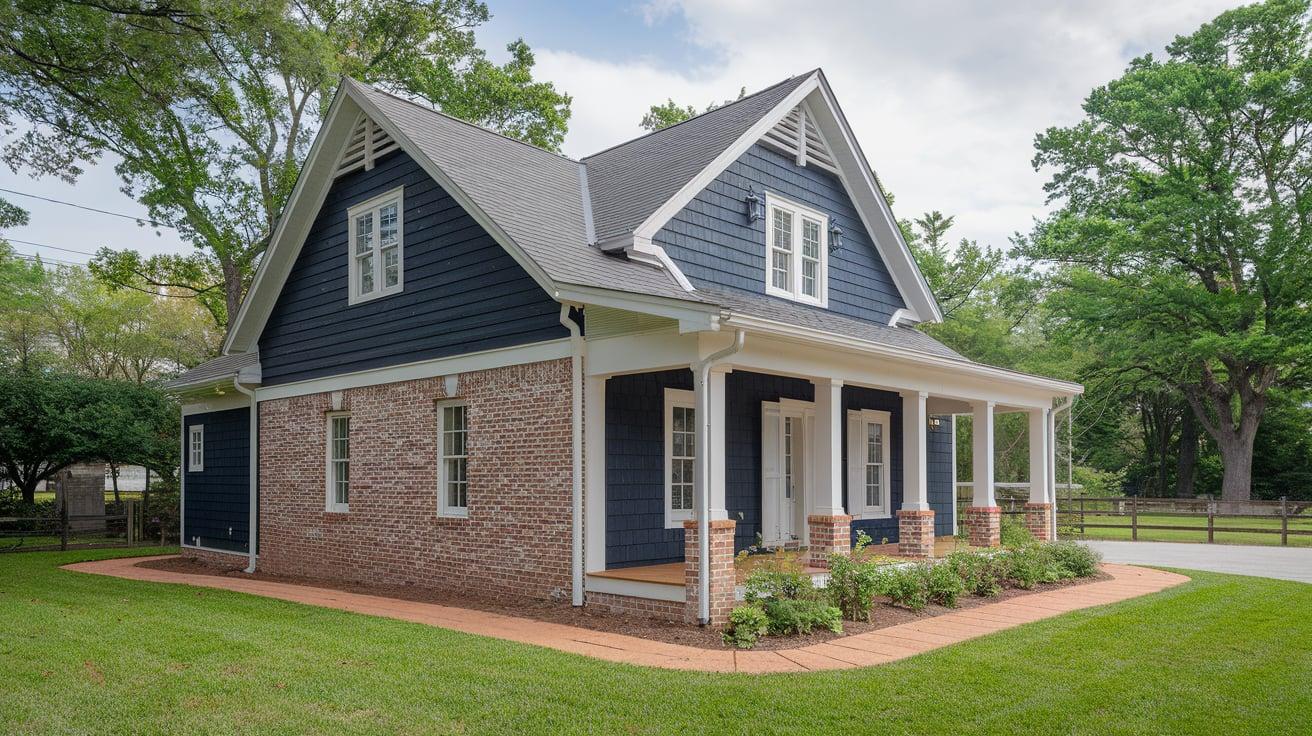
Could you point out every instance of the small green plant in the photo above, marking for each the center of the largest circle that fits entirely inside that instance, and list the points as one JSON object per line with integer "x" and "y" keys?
{"x": 981, "y": 573}
{"x": 851, "y": 588}
{"x": 801, "y": 617}
{"x": 1076, "y": 559}
{"x": 904, "y": 585}
{"x": 775, "y": 582}
{"x": 942, "y": 583}
{"x": 746, "y": 625}
{"x": 1014, "y": 534}
{"x": 1029, "y": 566}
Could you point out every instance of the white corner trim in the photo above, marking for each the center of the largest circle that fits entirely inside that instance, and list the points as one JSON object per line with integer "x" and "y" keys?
{"x": 637, "y": 589}
{"x": 902, "y": 315}
{"x": 665, "y": 212}
{"x": 644, "y": 246}
{"x": 438, "y": 367}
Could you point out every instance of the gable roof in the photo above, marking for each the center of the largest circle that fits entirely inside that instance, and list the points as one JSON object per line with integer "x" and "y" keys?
{"x": 550, "y": 212}
{"x": 630, "y": 181}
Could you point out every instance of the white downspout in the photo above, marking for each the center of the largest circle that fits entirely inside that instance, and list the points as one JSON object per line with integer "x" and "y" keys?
{"x": 254, "y": 452}
{"x": 577, "y": 348}
{"x": 702, "y": 373}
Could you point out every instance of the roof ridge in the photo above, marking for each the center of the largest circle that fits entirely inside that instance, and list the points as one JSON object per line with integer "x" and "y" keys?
{"x": 746, "y": 98}
{"x": 462, "y": 121}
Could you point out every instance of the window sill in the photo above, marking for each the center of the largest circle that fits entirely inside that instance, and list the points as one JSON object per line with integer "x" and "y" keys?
{"x": 337, "y": 510}
{"x": 452, "y": 514}
{"x": 676, "y": 523}
{"x": 355, "y": 299}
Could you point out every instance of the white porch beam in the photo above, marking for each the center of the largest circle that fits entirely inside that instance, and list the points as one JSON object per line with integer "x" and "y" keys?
{"x": 915, "y": 449}
{"x": 594, "y": 474}
{"x": 828, "y": 496}
{"x": 1040, "y": 454}
{"x": 982, "y": 454}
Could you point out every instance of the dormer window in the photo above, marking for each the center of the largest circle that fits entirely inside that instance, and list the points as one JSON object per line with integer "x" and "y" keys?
{"x": 797, "y": 256}
{"x": 376, "y": 247}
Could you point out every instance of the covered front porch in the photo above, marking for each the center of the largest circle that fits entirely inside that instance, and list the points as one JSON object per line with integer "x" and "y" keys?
{"x": 751, "y": 440}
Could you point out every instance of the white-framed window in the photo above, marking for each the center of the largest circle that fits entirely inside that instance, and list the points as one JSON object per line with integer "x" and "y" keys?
{"x": 868, "y": 454}
{"x": 680, "y": 456}
{"x": 339, "y": 462}
{"x": 376, "y": 237}
{"x": 196, "y": 448}
{"x": 797, "y": 252}
{"x": 453, "y": 458}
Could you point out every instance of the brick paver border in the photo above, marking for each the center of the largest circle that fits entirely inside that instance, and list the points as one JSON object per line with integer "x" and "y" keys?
{"x": 860, "y": 650}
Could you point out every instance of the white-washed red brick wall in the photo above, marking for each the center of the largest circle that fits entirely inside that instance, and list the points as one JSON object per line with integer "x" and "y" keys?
{"x": 516, "y": 539}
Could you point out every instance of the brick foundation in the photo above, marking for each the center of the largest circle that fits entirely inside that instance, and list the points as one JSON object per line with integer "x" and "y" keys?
{"x": 723, "y": 577}
{"x": 632, "y": 606}
{"x": 828, "y": 535}
{"x": 1038, "y": 518}
{"x": 217, "y": 560}
{"x": 515, "y": 541}
{"x": 915, "y": 533}
{"x": 984, "y": 524}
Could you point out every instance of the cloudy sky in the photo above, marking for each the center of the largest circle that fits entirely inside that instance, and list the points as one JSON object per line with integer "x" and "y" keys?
{"x": 945, "y": 97}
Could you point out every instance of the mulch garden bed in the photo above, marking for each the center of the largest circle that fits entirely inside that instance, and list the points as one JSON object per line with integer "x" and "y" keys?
{"x": 560, "y": 612}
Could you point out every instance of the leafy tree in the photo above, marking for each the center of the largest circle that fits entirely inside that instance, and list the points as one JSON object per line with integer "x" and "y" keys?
{"x": 672, "y": 113}
{"x": 24, "y": 341}
{"x": 208, "y": 106}
{"x": 1183, "y": 238}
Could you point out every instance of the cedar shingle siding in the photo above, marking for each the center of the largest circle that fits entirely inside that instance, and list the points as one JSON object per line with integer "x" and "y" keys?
{"x": 217, "y": 499}
{"x": 463, "y": 292}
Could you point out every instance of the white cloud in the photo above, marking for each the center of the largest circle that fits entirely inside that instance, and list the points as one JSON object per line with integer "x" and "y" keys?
{"x": 945, "y": 97}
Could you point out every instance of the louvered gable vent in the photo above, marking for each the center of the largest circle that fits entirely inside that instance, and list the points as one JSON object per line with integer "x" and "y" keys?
{"x": 796, "y": 135}
{"x": 367, "y": 143}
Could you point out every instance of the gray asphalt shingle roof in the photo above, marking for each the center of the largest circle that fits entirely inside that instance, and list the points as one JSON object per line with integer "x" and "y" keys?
{"x": 224, "y": 366}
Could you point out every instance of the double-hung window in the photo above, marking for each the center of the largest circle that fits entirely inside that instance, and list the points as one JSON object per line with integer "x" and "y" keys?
{"x": 339, "y": 462}
{"x": 868, "y": 452}
{"x": 196, "y": 448}
{"x": 376, "y": 235}
{"x": 680, "y": 456}
{"x": 453, "y": 460}
{"x": 797, "y": 253}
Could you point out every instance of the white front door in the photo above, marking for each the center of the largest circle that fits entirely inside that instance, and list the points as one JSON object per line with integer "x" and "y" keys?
{"x": 786, "y": 432}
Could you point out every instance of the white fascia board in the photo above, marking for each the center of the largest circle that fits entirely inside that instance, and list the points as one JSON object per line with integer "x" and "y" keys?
{"x": 307, "y": 197}
{"x": 215, "y": 402}
{"x": 482, "y": 360}
{"x": 665, "y": 212}
{"x": 835, "y": 341}
{"x": 448, "y": 184}
{"x": 692, "y": 316}
{"x": 873, "y": 208}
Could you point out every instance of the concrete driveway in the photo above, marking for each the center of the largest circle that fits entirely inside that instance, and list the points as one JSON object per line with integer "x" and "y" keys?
{"x": 1285, "y": 563}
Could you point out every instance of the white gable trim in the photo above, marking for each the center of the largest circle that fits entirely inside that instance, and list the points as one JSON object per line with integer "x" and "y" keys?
{"x": 307, "y": 199}
{"x": 875, "y": 213}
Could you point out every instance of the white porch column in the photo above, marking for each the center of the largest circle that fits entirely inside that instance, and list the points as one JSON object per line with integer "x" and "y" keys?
{"x": 982, "y": 454}
{"x": 709, "y": 476}
{"x": 1040, "y": 455}
{"x": 828, "y": 497}
{"x": 915, "y": 477}
{"x": 594, "y": 473}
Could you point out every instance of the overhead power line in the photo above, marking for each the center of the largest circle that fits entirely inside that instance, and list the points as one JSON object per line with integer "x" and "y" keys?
{"x": 43, "y": 245}
{"x": 89, "y": 209}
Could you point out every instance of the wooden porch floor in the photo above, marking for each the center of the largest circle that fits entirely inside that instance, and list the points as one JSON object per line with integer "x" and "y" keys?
{"x": 671, "y": 573}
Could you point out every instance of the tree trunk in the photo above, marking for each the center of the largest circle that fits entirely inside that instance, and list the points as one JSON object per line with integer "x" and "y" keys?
{"x": 1237, "y": 480}
{"x": 1186, "y": 462}
{"x": 113, "y": 477}
{"x": 28, "y": 489}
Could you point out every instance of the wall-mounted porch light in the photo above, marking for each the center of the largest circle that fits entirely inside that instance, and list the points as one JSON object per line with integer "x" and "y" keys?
{"x": 935, "y": 423}
{"x": 755, "y": 207}
{"x": 835, "y": 235}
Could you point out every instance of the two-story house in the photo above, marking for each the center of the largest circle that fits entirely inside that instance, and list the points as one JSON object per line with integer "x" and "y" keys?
{"x": 469, "y": 363}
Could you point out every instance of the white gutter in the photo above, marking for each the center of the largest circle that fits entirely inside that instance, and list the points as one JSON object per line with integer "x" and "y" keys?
{"x": 254, "y": 457}
{"x": 701, "y": 373}
{"x": 576, "y": 446}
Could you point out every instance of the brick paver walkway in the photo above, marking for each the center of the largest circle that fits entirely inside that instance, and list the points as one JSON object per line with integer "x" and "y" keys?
{"x": 860, "y": 650}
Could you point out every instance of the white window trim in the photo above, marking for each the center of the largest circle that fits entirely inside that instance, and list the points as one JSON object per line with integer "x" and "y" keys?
{"x": 353, "y": 270}
{"x": 772, "y": 203}
{"x": 444, "y": 509}
{"x": 686, "y": 399}
{"x": 330, "y": 504}
{"x": 196, "y": 448}
{"x": 857, "y": 419}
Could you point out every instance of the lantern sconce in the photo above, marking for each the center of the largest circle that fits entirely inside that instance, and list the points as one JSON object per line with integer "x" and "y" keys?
{"x": 835, "y": 235}
{"x": 755, "y": 207}
{"x": 935, "y": 423}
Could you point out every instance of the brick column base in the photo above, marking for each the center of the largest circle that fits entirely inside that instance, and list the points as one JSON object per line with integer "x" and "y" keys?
{"x": 984, "y": 523}
{"x": 723, "y": 578}
{"x": 828, "y": 535}
{"x": 1038, "y": 518}
{"x": 915, "y": 530}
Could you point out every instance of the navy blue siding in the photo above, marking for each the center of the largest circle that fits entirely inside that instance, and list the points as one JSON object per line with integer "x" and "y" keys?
{"x": 635, "y": 461}
{"x": 216, "y": 506}
{"x": 714, "y": 245}
{"x": 463, "y": 292}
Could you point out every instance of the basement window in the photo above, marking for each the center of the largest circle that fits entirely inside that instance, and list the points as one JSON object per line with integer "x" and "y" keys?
{"x": 375, "y": 235}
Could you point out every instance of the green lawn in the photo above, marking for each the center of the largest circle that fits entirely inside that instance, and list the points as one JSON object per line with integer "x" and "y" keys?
{"x": 1304, "y": 522}
{"x": 87, "y": 654}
